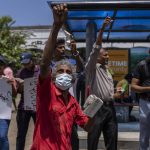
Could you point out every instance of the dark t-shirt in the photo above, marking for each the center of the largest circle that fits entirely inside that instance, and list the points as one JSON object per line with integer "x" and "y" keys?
{"x": 142, "y": 72}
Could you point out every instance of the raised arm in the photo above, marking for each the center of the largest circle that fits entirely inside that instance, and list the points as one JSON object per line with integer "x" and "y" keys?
{"x": 92, "y": 60}
{"x": 75, "y": 53}
{"x": 59, "y": 16}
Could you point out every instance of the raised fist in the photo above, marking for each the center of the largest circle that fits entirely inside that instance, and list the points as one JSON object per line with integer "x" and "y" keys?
{"x": 60, "y": 14}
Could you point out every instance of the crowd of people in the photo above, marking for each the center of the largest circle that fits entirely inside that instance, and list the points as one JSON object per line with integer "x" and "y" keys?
{"x": 58, "y": 113}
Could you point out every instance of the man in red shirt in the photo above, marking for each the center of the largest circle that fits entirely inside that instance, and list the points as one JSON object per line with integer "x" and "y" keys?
{"x": 57, "y": 110}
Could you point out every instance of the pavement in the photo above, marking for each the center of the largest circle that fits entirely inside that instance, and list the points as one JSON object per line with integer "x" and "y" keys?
{"x": 127, "y": 132}
{"x": 122, "y": 135}
{"x": 13, "y": 133}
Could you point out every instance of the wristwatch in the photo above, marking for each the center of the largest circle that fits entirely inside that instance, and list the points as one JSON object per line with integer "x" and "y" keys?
{"x": 96, "y": 46}
{"x": 75, "y": 54}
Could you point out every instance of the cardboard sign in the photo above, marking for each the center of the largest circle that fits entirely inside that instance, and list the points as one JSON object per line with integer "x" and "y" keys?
{"x": 5, "y": 99}
{"x": 30, "y": 93}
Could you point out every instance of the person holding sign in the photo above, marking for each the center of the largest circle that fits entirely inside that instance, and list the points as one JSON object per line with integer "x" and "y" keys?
{"x": 7, "y": 90}
{"x": 27, "y": 89}
{"x": 101, "y": 84}
{"x": 8, "y": 72}
{"x": 57, "y": 110}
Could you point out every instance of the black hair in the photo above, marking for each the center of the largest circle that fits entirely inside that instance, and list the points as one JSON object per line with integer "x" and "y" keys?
{"x": 3, "y": 60}
{"x": 60, "y": 41}
{"x": 128, "y": 77}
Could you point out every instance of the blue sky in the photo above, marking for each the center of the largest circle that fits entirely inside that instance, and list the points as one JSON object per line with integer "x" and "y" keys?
{"x": 27, "y": 12}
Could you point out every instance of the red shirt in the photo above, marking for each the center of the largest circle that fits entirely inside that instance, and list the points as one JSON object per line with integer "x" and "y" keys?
{"x": 54, "y": 119}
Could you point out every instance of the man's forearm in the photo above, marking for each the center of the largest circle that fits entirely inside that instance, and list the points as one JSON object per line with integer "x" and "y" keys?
{"x": 100, "y": 37}
{"x": 88, "y": 125}
{"x": 49, "y": 50}
{"x": 79, "y": 63}
{"x": 95, "y": 51}
{"x": 92, "y": 60}
{"x": 140, "y": 89}
{"x": 50, "y": 45}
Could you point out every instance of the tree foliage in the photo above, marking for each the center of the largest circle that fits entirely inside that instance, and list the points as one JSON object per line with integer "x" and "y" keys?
{"x": 11, "y": 41}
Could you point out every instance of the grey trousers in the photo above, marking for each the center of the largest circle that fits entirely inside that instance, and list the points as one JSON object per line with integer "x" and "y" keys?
{"x": 144, "y": 124}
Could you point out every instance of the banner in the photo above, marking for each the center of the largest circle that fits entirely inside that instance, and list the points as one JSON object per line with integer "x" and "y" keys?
{"x": 5, "y": 99}
{"x": 30, "y": 93}
{"x": 118, "y": 62}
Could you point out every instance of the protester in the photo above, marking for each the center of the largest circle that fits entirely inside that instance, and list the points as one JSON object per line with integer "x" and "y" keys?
{"x": 28, "y": 70}
{"x": 59, "y": 54}
{"x": 100, "y": 83}
{"x": 141, "y": 84}
{"x": 57, "y": 110}
{"x": 5, "y": 122}
{"x": 8, "y": 72}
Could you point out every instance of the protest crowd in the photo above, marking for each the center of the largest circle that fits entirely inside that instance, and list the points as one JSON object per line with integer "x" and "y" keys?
{"x": 50, "y": 95}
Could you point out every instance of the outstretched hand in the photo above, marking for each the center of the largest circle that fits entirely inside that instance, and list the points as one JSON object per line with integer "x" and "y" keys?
{"x": 60, "y": 14}
{"x": 73, "y": 47}
{"x": 106, "y": 22}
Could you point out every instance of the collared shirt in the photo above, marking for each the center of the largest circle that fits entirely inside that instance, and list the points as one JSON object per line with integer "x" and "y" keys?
{"x": 55, "y": 119}
{"x": 99, "y": 78}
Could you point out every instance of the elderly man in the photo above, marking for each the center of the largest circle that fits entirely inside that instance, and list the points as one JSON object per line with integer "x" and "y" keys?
{"x": 101, "y": 84}
{"x": 57, "y": 110}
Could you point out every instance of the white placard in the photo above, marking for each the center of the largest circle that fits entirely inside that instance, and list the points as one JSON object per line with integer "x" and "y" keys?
{"x": 5, "y": 99}
{"x": 92, "y": 105}
{"x": 30, "y": 93}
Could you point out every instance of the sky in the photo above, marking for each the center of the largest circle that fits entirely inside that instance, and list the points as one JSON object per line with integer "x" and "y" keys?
{"x": 27, "y": 12}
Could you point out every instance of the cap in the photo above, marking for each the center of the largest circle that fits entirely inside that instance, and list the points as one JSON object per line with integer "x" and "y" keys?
{"x": 2, "y": 60}
{"x": 26, "y": 57}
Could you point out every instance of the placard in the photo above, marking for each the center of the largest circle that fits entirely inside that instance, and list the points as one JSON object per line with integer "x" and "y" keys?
{"x": 30, "y": 93}
{"x": 92, "y": 105}
{"x": 5, "y": 99}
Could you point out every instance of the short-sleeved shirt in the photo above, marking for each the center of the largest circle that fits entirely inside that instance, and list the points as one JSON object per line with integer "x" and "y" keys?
{"x": 142, "y": 72}
{"x": 55, "y": 119}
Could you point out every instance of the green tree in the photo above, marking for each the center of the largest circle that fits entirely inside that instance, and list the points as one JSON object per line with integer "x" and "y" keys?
{"x": 11, "y": 41}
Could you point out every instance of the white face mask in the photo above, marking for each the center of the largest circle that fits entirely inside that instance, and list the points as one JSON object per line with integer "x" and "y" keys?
{"x": 63, "y": 81}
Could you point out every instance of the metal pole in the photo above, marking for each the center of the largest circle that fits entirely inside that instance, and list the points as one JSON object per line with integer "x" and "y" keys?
{"x": 91, "y": 29}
